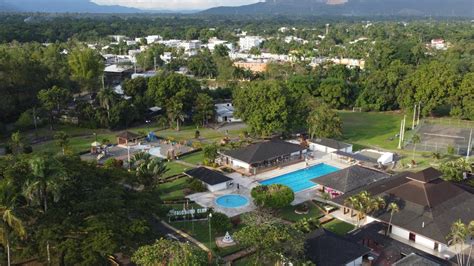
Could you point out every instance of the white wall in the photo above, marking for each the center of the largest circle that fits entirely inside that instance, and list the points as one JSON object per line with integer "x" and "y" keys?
{"x": 401, "y": 232}
{"x": 424, "y": 241}
{"x": 241, "y": 164}
{"x": 217, "y": 187}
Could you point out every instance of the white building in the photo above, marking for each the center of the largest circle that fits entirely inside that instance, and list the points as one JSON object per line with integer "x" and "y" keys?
{"x": 225, "y": 113}
{"x": 190, "y": 45}
{"x": 213, "y": 42}
{"x": 153, "y": 38}
{"x": 438, "y": 44}
{"x": 166, "y": 57}
{"x": 248, "y": 42}
{"x": 328, "y": 145}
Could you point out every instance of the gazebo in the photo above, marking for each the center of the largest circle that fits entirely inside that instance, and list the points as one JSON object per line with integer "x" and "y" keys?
{"x": 127, "y": 137}
{"x": 95, "y": 146}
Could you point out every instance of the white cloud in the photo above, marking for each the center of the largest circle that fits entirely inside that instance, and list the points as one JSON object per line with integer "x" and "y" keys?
{"x": 175, "y": 4}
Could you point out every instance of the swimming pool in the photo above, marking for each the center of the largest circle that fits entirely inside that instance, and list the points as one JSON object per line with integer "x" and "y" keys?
{"x": 300, "y": 180}
{"x": 232, "y": 201}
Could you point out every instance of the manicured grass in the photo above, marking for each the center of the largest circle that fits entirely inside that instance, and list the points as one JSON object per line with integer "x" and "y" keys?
{"x": 76, "y": 144}
{"x": 194, "y": 158}
{"x": 371, "y": 129}
{"x": 339, "y": 227}
{"x": 289, "y": 214}
{"x": 173, "y": 190}
{"x": 175, "y": 168}
{"x": 201, "y": 233}
{"x": 187, "y": 133}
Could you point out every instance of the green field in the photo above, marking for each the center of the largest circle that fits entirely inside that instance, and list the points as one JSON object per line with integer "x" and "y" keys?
{"x": 175, "y": 168}
{"x": 194, "y": 158}
{"x": 339, "y": 227}
{"x": 375, "y": 130}
{"x": 173, "y": 190}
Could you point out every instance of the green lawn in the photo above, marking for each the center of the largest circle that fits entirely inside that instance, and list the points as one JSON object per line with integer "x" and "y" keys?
{"x": 173, "y": 190}
{"x": 289, "y": 214}
{"x": 175, "y": 168}
{"x": 76, "y": 144}
{"x": 339, "y": 227}
{"x": 371, "y": 129}
{"x": 194, "y": 158}
{"x": 200, "y": 231}
{"x": 187, "y": 133}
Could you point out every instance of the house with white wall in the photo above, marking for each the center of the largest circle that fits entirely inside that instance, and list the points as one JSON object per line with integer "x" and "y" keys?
{"x": 225, "y": 113}
{"x": 213, "y": 180}
{"x": 328, "y": 145}
{"x": 248, "y": 42}
{"x": 428, "y": 207}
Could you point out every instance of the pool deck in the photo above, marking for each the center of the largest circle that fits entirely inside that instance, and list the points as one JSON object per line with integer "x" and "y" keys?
{"x": 207, "y": 199}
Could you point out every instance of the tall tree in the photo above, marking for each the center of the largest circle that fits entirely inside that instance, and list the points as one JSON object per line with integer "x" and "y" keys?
{"x": 62, "y": 140}
{"x": 107, "y": 98}
{"x": 54, "y": 100}
{"x": 86, "y": 68}
{"x": 457, "y": 238}
{"x": 323, "y": 122}
{"x": 10, "y": 221}
{"x": 169, "y": 252}
{"x": 203, "y": 109}
{"x": 392, "y": 208}
{"x": 45, "y": 182}
{"x": 364, "y": 204}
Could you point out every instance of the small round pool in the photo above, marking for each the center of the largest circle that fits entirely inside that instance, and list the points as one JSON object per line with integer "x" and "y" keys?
{"x": 232, "y": 201}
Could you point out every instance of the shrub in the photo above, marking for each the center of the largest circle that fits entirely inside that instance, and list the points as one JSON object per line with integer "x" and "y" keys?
{"x": 220, "y": 222}
{"x": 113, "y": 163}
{"x": 273, "y": 196}
{"x": 25, "y": 121}
{"x": 197, "y": 186}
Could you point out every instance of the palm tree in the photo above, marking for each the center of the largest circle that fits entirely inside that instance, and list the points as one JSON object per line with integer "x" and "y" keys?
{"x": 148, "y": 169}
{"x": 175, "y": 112}
{"x": 457, "y": 237}
{"x": 393, "y": 208}
{"x": 364, "y": 204}
{"x": 62, "y": 140}
{"x": 10, "y": 222}
{"x": 45, "y": 181}
{"x": 17, "y": 142}
{"x": 415, "y": 139}
{"x": 106, "y": 99}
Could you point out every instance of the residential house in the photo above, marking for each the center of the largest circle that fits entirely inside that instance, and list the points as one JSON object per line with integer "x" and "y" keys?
{"x": 428, "y": 207}
{"x": 248, "y": 42}
{"x": 225, "y": 113}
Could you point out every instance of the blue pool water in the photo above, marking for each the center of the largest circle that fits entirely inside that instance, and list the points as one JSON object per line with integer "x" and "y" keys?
{"x": 232, "y": 201}
{"x": 300, "y": 180}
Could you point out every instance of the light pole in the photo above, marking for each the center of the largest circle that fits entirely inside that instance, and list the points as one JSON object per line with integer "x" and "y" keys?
{"x": 210, "y": 236}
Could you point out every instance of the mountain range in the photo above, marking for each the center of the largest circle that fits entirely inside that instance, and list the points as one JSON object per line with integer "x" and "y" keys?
{"x": 62, "y": 6}
{"x": 352, "y": 8}
{"x": 270, "y": 7}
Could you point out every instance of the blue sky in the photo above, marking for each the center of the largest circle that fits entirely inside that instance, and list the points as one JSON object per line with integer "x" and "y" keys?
{"x": 175, "y": 4}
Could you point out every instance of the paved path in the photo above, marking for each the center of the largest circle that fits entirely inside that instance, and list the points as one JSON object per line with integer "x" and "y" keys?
{"x": 185, "y": 163}
{"x": 237, "y": 255}
{"x": 187, "y": 236}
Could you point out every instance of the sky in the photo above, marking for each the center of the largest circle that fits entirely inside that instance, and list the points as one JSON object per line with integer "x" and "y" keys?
{"x": 175, "y": 4}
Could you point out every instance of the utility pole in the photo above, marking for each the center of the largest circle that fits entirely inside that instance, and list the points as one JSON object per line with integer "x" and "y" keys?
{"x": 404, "y": 127}
{"x": 154, "y": 63}
{"x": 400, "y": 136}
{"x": 414, "y": 117}
{"x": 419, "y": 112}
{"x": 469, "y": 146}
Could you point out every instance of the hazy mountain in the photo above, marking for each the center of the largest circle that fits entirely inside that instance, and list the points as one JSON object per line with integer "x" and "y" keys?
{"x": 352, "y": 7}
{"x": 61, "y": 6}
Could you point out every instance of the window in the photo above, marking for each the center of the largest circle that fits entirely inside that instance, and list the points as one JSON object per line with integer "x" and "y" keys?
{"x": 436, "y": 246}
{"x": 412, "y": 237}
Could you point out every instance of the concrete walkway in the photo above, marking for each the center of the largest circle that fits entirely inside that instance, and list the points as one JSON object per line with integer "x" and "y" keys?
{"x": 187, "y": 236}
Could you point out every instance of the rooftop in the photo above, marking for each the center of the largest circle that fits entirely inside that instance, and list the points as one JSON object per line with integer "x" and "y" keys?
{"x": 350, "y": 178}
{"x": 326, "y": 248}
{"x": 208, "y": 176}
{"x": 331, "y": 143}
{"x": 264, "y": 151}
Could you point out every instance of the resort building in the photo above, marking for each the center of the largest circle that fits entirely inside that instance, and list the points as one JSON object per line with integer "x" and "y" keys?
{"x": 347, "y": 180}
{"x": 323, "y": 247}
{"x": 127, "y": 138}
{"x": 328, "y": 145}
{"x": 262, "y": 156}
{"x": 213, "y": 180}
{"x": 428, "y": 207}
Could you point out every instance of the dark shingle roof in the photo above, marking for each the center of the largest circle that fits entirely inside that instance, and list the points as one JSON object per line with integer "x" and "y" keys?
{"x": 350, "y": 178}
{"x": 264, "y": 151}
{"x": 427, "y": 175}
{"x": 208, "y": 176}
{"x": 428, "y": 209}
{"x": 326, "y": 248}
{"x": 331, "y": 143}
{"x": 415, "y": 259}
